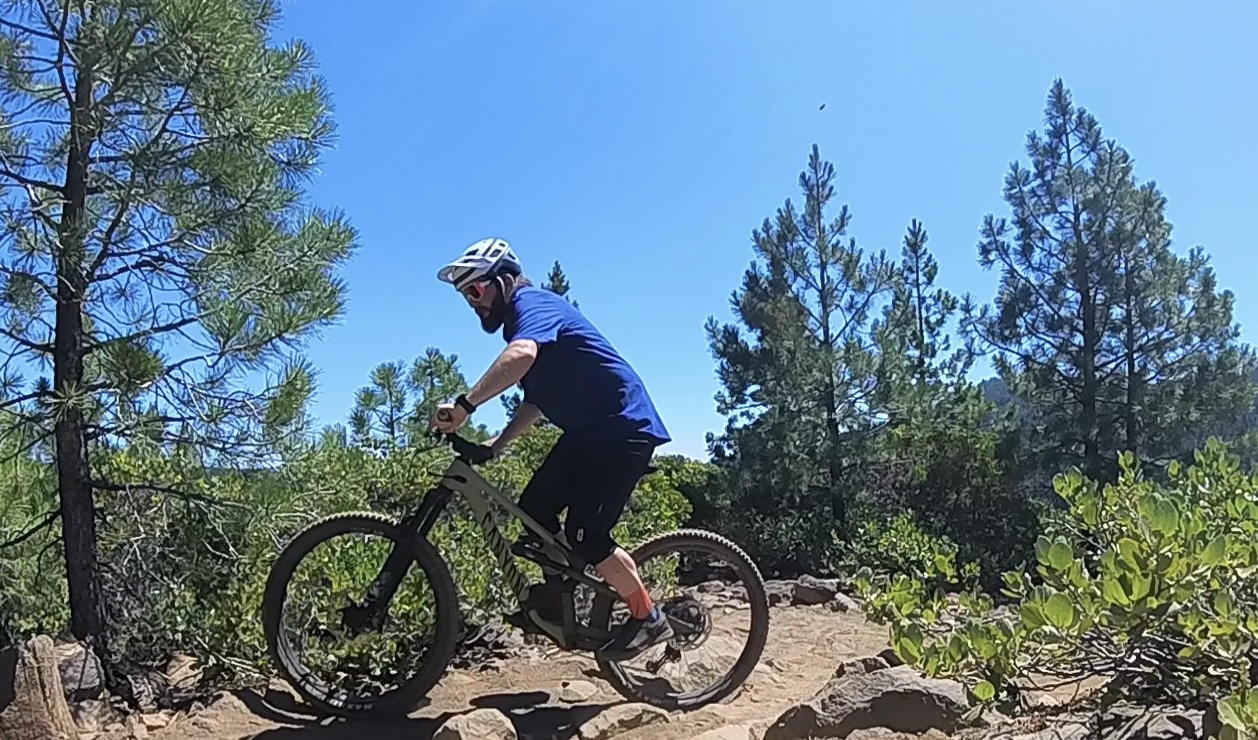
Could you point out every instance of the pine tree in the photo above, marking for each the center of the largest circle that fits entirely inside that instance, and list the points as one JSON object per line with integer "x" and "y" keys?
{"x": 557, "y": 282}
{"x": 921, "y": 375}
{"x": 394, "y": 410}
{"x": 1115, "y": 342}
{"x": 155, "y": 252}
{"x": 799, "y": 375}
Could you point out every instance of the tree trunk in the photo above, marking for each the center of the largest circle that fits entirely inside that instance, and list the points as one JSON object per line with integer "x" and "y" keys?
{"x": 32, "y": 700}
{"x": 1088, "y": 394}
{"x": 1134, "y": 385}
{"x": 78, "y": 511}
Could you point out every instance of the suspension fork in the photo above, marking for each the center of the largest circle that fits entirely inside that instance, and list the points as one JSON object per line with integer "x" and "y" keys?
{"x": 417, "y": 525}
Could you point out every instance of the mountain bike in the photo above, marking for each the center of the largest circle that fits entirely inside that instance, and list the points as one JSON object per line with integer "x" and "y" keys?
{"x": 587, "y": 622}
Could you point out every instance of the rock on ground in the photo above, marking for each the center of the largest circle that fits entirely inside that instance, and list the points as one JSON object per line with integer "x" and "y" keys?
{"x": 94, "y": 715}
{"x": 778, "y": 592}
{"x": 32, "y": 699}
{"x": 183, "y": 672}
{"x": 810, "y": 590}
{"x": 731, "y": 732}
{"x": 897, "y": 698}
{"x": 621, "y": 718}
{"x": 136, "y": 727}
{"x": 81, "y": 674}
{"x": 857, "y": 666}
{"x": 478, "y": 724}
{"x": 574, "y": 692}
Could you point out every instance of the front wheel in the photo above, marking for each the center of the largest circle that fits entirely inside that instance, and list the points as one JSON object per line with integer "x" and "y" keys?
{"x": 326, "y": 589}
{"x": 698, "y": 596}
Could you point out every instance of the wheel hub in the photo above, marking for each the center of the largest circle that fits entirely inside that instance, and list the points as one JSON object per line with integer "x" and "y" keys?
{"x": 691, "y": 619}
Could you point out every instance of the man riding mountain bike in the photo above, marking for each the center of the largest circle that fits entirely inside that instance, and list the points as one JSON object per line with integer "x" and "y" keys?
{"x": 573, "y": 377}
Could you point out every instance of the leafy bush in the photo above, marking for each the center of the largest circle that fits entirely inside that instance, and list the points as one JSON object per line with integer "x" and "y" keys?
{"x": 959, "y": 491}
{"x": 185, "y": 551}
{"x": 936, "y": 481}
{"x": 1155, "y": 585}
{"x": 895, "y": 544}
{"x": 32, "y": 568}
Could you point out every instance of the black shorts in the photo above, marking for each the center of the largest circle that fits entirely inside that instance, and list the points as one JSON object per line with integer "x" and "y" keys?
{"x": 594, "y": 482}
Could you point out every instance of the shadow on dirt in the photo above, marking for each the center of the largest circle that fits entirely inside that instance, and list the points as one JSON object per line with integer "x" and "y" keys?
{"x": 528, "y": 712}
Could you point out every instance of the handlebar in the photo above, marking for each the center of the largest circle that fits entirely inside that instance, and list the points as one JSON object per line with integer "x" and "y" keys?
{"x": 472, "y": 453}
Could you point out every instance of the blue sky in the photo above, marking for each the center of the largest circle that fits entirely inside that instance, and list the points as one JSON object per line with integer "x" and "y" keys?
{"x": 639, "y": 143}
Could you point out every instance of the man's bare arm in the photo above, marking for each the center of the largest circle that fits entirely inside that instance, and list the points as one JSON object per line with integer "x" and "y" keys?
{"x": 526, "y": 415}
{"x": 506, "y": 371}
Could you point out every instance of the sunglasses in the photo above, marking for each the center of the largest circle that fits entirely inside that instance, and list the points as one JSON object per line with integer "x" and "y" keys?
{"x": 475, "y": 291}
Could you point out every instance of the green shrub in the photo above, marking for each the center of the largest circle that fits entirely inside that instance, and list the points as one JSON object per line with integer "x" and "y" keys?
{"x": 185, "y": 567}
{"x": 1153, "y": 584}
{"x": 958, "y": 490}
{"x": 895, "y": 544}
{"x": 33, "y": 592}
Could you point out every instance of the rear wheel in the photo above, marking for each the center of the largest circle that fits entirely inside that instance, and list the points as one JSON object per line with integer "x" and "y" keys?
{"x": 676, "y": 568}
{"x": 367, "y": 676}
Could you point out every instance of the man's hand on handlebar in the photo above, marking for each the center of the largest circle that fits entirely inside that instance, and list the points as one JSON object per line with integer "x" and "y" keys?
{"x": 448, "y": 418}
{"x": 474, "y": 452}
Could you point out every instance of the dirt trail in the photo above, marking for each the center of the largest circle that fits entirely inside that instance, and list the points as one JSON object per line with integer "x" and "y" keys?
{"x": 805, "y": 645}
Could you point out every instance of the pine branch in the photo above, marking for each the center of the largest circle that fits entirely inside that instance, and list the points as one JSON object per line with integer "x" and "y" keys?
{"x": 31, "y": 182}
{"x": 20, "y": 399}
{"x": 27, "y": 29}
{"x": 42, "y": 348}
{"x": 167, "y": 490}
{"x": 46, "y": 522}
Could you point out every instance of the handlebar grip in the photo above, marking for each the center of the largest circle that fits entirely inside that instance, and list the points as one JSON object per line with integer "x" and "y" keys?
{"x": 444, "y": 414}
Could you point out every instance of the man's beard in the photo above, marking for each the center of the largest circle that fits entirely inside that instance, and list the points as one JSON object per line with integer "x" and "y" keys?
{"x": 492, "y": 320}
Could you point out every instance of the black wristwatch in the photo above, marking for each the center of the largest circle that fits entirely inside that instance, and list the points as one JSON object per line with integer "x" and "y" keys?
{"x": 467, "y": 405}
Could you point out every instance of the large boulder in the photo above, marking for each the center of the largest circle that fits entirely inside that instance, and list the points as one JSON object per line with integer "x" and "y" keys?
{"x": 32, "y": 699}
{"x": 898, "y": 698}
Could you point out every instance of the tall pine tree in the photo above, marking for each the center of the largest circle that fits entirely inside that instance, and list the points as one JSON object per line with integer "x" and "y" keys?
{"x": 798, "y": 372}
{"x": 158, "y": 269}
{"x": 922, "y": 376}
{"x": 1115, "y": 342}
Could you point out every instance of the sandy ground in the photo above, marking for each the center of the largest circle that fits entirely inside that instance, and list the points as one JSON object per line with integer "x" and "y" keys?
{"x": 805, "y": 645}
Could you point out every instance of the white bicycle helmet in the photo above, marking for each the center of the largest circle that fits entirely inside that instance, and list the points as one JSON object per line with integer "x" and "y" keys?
{"x": 486, "y": 257}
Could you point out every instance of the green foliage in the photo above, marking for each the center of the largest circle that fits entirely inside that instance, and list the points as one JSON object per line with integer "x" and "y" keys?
{"x": 32, "y": 575}
{"x": 160, "y": 268}
{"x": 1114, "y": 341}
{"x": 397, "y": 406}
{"x": 186, "y": 550}
{"x": 958, "y": 489}
{"x": 1151, "y": 583}
{"x": 896, "y": 544}
{"x": 921, "y": 377}
{"x": 199, "y": 267}
{"x": 798, "y": 373}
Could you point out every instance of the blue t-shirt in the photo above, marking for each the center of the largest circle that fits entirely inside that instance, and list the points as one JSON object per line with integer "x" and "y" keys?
{"x": 578, "y": 380}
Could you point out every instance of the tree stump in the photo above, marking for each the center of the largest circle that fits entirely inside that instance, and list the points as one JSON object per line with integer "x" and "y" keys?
{"x": 32, "y": 701}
